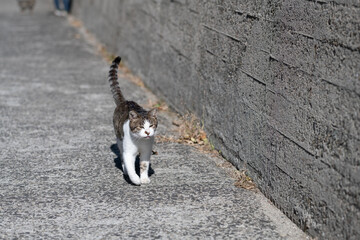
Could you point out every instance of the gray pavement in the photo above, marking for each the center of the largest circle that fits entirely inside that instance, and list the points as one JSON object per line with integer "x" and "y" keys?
{"x": 59, "y": 165}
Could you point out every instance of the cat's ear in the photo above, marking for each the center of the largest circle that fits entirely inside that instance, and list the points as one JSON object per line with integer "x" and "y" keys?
{"x": 152, "y": 112}
{"x": 133, "y": 115}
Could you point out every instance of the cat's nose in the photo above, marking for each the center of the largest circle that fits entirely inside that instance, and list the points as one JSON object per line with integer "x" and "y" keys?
{"x": 147, "y": 133}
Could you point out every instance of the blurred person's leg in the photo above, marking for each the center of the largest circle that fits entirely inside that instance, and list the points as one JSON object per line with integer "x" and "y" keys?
{"x": 57, "y": 5}
{"x": 67, "y": 5}
{"x": 60, "y": 8}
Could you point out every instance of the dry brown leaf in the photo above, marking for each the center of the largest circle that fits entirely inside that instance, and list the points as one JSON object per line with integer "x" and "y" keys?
{"x": 75, "y": 22}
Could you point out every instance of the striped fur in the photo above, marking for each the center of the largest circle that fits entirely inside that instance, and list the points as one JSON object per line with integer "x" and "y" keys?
{"x": 114, "y": 84}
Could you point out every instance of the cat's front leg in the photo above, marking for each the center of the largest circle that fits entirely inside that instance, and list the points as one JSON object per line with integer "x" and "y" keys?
{"x": 144, "y": 170}
{"x": 129, "y": 162}
{"x": 144, "y": 166}
{"x": 119, "y": 143}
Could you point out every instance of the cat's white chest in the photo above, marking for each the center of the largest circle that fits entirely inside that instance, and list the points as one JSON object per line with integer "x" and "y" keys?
{"x": 132, "y": 143}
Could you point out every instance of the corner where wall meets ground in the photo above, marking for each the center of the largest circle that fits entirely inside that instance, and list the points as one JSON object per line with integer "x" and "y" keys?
{"x": 275, "y": 82}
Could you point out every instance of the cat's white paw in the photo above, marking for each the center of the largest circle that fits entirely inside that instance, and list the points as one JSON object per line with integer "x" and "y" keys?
{"x": 135, "y": 180}
{"x": 145, "y": 180}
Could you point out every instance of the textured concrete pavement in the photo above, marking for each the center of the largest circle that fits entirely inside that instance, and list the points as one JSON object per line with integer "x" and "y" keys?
{"x": 59, "y": 169}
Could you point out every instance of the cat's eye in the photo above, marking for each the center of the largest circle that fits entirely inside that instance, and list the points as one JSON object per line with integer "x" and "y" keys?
{"x": 152, "y": 125}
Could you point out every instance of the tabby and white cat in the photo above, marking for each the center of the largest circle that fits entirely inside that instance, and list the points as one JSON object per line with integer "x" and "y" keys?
{"x": 134, "y": 128}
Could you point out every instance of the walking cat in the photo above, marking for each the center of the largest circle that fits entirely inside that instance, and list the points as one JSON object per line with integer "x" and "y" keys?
{"x": 134, "y": 128}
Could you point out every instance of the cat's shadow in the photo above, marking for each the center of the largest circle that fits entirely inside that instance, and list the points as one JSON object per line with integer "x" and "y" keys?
{"x": 118, "y": 163}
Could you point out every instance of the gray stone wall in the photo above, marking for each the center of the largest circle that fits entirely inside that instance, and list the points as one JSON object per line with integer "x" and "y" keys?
{"x": 275, "y": 82}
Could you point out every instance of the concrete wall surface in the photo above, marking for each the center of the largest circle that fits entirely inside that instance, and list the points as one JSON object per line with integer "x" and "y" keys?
{"x": 275, "y": 82}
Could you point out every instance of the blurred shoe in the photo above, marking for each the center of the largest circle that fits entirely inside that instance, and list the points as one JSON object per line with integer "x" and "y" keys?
{"x": 60, "y": 13}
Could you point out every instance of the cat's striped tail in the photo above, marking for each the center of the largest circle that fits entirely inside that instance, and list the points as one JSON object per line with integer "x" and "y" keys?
{"x": 114, "y": 84}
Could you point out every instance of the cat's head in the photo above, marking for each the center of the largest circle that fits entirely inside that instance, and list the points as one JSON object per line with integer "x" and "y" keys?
{"x": 143, "y": 125}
